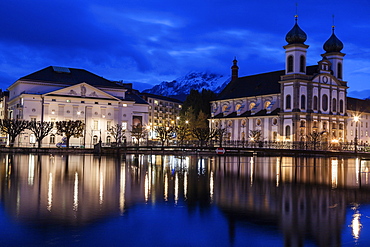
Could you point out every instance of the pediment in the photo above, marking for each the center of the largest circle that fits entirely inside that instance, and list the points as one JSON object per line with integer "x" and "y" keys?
{"x": 82, "y": 90}
{"x": 327, "y": 79}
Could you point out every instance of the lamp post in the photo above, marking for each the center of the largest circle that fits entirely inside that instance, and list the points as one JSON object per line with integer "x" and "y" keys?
{"x": 356, "y": 119}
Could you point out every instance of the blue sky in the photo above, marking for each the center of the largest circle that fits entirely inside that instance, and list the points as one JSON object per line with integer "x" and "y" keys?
{"x": 151, "y": 41}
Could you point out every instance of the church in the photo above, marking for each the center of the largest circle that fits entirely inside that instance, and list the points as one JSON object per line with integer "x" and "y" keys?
{"x": 290, "y": 104}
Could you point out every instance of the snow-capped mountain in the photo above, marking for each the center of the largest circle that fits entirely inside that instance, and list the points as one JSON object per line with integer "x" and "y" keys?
{"x": 193, "y": 80}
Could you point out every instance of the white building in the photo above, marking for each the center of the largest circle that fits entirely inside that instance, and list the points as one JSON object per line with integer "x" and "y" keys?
{"x": 58, "y": 93}
{"x": 289, "y": 104}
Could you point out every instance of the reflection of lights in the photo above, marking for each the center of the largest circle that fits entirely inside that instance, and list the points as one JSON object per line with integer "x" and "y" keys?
{"x": 252, "y": 169}
{"x": 211, "y": 186}
{"x": 166, "y": 187}
{"x": 356, "y": 224}
{"x": 176, "y": 188}
{"x": 334, "y": 173}
{"x": 50, "y": 192}
{"x": 146, "y": 187}
{"x": 101, "y": 188}
{"x": 31, "y": 169}
{"x": 75, "y": 193}
{"x": 357, "y": 161}
{"x": 277, "y": 172}
{"x": 122, "y": 189}
{"x": 201, "y": 166}
{"x": 185, "y": 185}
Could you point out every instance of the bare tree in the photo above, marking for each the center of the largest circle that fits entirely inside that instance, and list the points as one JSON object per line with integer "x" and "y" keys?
{"x": 315, "y": 138}
{"x": 69, "y": 129}
{"x": 203, "y": 134}
{"x": 40, "y": 129}
{"x": 13, "y": 128}
{"x": 165, "y": 133}
{"x": 255, "y": 135}
{"x": 118, "y": 132}
{"x": 138, "y": 132}
{"x": 182, "y": 132}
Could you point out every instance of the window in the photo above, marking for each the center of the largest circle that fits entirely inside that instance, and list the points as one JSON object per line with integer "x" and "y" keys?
{"x": 52, "y": 139}
{"x": 288, "y": 102}
{"x": 96, "y": 103}
{"x": 302, "y": 64}
{"x": 68, "y": 101}
{"x": 274, "y": 121}
{"x": 124, "y": 105}
{"x": 109, "y": 103}
{"x": 340, "y": 74}
{"x": 303, "y": 102}
{"x": 259, "y": 122}
{"x": 95, "y": 139}
{"x": 290, "y": 64}
{"x": 252, "y": 105}
{"x": 341, "y": 106}
{"x": 108, "y": 139}
{"x": 324, "y": 102}
{"x": 124, "y": 125}
{"x": 96, "y": 125}
{"x": 33, "y": 119}
{"x": 287, "y": 132}
{"x": 303, "y": 123}
{"x": 334, "y": 105}
{"x": 82, "y": 101}
{"x": 53, "y": 100}
{"x": 108, "y": 125}
{"x": 237, "y": 107}
{"x": 315, "y": 103}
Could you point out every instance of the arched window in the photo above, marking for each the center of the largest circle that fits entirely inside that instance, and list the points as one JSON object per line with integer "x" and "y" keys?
{"x": 108, "y": 139}
{"x": 303, "y": 123}
{"x": 341, "y": 106}
{"x": 52, "y": 139}
{"x": 287, "y": 132}
{"x": 324, "y": 102}
{"x": 267, "y": 104}
{"x": 95, "y": 139}
{"x": 288, "y": 102}
{"x": 252, "y": 105}
{"x": 302, "y": 64}
{"x": 340, "y": 74}
{"x": 290, "y": 64}
{"x": 315, "y": 103}
{"x": 334, "y": 105}
{"x": 303, "y": 102}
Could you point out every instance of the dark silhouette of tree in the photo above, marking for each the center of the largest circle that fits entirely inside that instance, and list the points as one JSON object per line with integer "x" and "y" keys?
{"x": 219, "y": 134}
{"x": 203, "y": 134}
{"x": 255, "y": 135}
{"x": 315, "y": 138}
{"x": 118, "y": 132}
{"x": 182, "y": 132}
{"x": 13, "y": 128}
{"x": 40, "y": 129}
{"x": 138, "y": 132}
{"x": 70, "y": 128}
{"x": 165, "y": 133}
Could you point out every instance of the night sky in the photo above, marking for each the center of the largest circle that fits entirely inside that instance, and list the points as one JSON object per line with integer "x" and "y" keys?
{"x": 151, "y": 41}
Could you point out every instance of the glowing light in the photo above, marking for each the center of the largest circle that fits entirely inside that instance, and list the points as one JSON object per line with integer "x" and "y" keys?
{"x": 101, "y": 188}
{"x": 185, "y": 185}
{"x": 356, "y": 224}
{"x": 50, "y": 192}
{"x": 176, "y": 188}
{"x": 122, "y": 189}
{"x": 75, "y": 193}
{"x": 166, "y": 187}
{"x": 334, "y": 174}
{"x": 252, "y": 169}
{"x": 78, "y": 113}
{"x": 277, "y": 172}
{"x": 357, "y": 169}
{"x": 211, "y": 186}
{"x": 146, "y": 187}
{"x": 31, "y": 169}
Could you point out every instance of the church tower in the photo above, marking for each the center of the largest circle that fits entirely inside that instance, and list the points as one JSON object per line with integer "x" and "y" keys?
{"x": 333, "y": 47}
{"x": 295, "y": 50}
{"x": 234, "y": 70}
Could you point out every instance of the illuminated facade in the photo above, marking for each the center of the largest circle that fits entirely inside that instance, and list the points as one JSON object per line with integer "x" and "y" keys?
{"x": 163, "y": 111}
{"x": 289, "y": 104}
{"x": 58, "y": 94}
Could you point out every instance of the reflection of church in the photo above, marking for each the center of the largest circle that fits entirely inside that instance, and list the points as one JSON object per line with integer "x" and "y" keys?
{"x": 289, "y": 104}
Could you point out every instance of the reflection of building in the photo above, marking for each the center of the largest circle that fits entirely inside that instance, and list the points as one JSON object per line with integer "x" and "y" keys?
{"x": 163, "y": 111}
{"x": 289, "y": 104}
{"x": 58, "y": 93}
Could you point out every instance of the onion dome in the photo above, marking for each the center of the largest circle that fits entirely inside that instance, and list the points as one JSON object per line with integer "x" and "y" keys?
{"x": 296, "y": 35}
{"x": 333, "y": 44}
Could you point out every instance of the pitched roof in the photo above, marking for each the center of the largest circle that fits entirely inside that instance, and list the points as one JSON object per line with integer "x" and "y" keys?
{"x": 259, "y": 84}
{"x": 358, "y": 105}
{"x": 69, "y": 76}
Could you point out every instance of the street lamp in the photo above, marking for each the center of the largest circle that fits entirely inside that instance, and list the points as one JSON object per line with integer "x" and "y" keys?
{"x": 356, "y": 119}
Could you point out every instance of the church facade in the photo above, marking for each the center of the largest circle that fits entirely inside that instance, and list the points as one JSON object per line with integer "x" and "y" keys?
{"x": 291, "y": 104}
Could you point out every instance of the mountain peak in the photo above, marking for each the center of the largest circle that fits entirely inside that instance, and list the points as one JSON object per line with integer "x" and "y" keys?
{"x": 192, "y": 80}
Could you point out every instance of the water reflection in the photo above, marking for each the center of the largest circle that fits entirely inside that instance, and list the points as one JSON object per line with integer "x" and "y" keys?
{"x": 306, "y": 199}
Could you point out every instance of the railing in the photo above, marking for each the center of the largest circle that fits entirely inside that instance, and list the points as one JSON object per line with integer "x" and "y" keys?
{"x": 317, "y": 146}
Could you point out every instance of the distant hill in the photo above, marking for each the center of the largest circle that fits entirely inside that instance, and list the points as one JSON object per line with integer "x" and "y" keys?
{"x": 181, "y": 87}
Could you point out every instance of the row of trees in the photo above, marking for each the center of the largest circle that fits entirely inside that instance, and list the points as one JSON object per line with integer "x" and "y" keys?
{"x": 41, "y": 129}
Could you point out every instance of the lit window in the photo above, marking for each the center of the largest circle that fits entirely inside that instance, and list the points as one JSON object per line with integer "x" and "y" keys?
{"x": 124, "y": 105}
{"x": 68, "y": 101}
{"x": 96, "y": 124}
{"x": 124, "y": 125}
